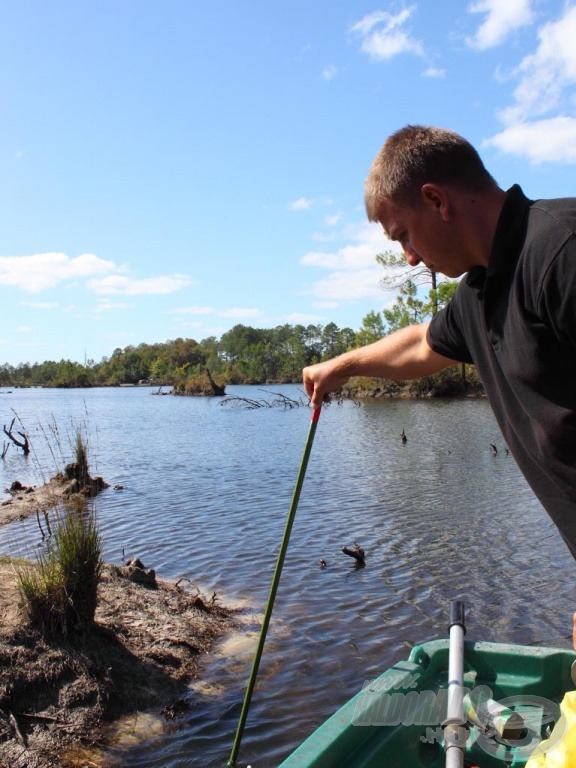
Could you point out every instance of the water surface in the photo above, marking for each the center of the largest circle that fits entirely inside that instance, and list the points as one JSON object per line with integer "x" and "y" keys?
{"x": 207, "y": 489}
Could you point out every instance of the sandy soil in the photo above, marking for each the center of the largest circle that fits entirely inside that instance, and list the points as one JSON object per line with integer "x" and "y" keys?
{"x": 146, "y": 647}
{"x": 32, "y": 499}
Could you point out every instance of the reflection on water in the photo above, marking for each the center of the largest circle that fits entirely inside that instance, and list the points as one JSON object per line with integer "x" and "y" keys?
{"x": 207, "y": 492}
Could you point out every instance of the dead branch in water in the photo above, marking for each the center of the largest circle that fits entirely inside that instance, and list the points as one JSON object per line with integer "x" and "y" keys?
{"x": 276, "y": 400}
{"x": 357, "y": 553}
{"x": 24, "y": 444}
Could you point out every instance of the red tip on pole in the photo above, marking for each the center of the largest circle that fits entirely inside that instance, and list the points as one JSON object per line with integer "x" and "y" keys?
{"x": 316, "y": 414}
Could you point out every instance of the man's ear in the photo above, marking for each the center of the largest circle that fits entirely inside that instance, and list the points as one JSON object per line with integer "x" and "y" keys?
{"x": 434, "y": 195}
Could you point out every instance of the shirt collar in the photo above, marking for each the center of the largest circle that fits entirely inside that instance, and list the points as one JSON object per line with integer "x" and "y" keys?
{"x": 508, "y": 237}
{"x": 510, "y": 232}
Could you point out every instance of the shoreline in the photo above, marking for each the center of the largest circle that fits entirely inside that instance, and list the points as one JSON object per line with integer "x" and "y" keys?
{"x": 58, "y": 700}
{"x": 32, "y": 499}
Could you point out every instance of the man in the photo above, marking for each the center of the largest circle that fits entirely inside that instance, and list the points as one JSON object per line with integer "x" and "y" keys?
{"x": 513, "y": 315}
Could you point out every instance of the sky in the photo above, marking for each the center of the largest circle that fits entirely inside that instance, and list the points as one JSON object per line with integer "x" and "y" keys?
{"x": 171, "y": 168}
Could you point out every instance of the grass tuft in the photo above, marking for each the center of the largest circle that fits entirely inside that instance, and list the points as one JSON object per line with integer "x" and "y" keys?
{"x": 60, "y": 593}
{"x": 81, "y": 454}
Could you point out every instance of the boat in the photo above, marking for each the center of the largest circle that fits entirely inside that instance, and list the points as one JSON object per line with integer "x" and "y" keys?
{"x": 507, "y": 700}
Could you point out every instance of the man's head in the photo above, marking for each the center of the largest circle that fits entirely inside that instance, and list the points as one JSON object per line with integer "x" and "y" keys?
{"x": 431, "y": 193}
{"x": 416, "y": 155}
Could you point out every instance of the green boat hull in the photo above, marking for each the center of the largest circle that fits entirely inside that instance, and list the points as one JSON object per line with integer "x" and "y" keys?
{"x": 395, "y": 721}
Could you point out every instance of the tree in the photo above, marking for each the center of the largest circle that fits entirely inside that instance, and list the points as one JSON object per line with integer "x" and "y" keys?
{"x": 312, "y": 341}
{"x": 441, "y": 295}
{"x": 372, "y": 329}
{"x": 399, "y": 275}
{"x": 407, "y": 309}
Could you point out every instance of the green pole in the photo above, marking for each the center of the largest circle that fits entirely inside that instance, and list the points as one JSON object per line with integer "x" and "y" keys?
{"x": 273, "y": 589}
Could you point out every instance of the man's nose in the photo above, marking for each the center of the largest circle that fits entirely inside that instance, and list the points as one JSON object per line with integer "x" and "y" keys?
{"x": 412, "y": 257}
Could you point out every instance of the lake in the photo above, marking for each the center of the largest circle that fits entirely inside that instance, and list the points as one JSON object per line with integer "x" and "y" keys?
{"x": 207, "y": 490}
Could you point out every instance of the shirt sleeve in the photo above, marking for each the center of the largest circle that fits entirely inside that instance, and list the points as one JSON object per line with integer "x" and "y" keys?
{"x": 445, "y": 336}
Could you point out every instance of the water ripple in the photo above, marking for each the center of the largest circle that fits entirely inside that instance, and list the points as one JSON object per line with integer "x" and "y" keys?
{"x": 206, "y": 494}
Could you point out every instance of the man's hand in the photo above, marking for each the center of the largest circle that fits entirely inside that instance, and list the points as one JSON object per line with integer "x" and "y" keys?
{"x": 323, "y": 378}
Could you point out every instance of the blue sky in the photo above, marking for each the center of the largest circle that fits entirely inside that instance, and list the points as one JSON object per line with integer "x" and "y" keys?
{"x": 173, "y": 167}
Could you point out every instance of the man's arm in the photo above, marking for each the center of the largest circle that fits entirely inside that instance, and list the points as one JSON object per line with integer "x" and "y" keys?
{"x": 404, "y": 354}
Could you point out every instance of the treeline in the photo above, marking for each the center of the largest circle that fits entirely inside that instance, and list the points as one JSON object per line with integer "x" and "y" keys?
{"x": 247, "y": 355}
{"x": 243, "y": 355}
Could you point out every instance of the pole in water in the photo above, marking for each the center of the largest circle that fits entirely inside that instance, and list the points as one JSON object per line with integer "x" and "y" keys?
{"x": 273, "y": 589}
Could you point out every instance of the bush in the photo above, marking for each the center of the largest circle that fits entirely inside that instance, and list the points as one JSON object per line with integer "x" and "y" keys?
{"x": 60, "y": 594}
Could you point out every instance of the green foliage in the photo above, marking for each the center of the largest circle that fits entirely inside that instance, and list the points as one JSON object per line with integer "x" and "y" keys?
{"x": 394, "y": 264}
{"x": 81, "y": 453}
{"x": 372, "y": 329}
{"x": 261, "y": 355}
{"x": 60, "y": 593}
{"x": 441, "y": 295}
{"x": 407, "y": 280}
{"x": 199, "y": 384}
{"x": 407, "y": 310}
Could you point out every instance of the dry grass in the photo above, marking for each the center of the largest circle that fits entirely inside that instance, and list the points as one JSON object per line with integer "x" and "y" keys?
{"x": 60, "y": 592}
{"x": 144, "y": 647}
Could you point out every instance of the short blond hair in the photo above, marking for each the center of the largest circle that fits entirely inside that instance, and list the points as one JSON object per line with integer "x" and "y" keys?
{"x": 416, "y": 155}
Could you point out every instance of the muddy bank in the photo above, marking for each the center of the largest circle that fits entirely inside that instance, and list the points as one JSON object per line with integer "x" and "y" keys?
{"x": 449, "y": 383}
{"x": 56, "y": 699}
{"x": 27, "y": 500}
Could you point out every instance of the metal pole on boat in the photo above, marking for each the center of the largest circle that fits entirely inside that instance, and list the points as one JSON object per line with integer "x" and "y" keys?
{"x": 273, "y": 589}
{"x": 455, "y": 730}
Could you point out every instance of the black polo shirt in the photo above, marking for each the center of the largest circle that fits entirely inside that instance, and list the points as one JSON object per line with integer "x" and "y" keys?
{"x": 516, "y": 321}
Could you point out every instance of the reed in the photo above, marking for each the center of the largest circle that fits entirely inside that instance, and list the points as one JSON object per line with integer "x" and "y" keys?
{"x": 60, "y": 592}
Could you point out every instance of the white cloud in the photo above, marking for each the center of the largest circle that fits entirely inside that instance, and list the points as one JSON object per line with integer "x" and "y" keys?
{"x": 23, "y": 329}
{"x": 302, "y": 318}
{"x": 329, "y": 73}
{"x": 349, "y": 286}
{"x": 301, "y": 204}
{"x": 120, "y": 284}
{"x": 332, "y": 220}
{"x": 186, "y": 324}
{"x": 45, "y": 270}
{"x": 435, "y": 73}
{"x": 551, "y": 140}
{"x": 109, "y": 306}
{"x": 545, "y": 75}
{"x": 382, "y": 36}
{"x": 325, "y": 304}
{"x": 540, "y": 123}
{"x": 367, "y": 240}
{"x": 321, "y": 259}
{"x": 502, "y": 18}
{"x": 40, "y": 304}
{"x": 241, "y": 312}
{"x": 192, "y": 310}
{"x": 353, "y": 271}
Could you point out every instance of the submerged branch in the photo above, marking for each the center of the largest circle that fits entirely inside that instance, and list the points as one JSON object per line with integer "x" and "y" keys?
{"x": 276, "y": 400}
{"x": 24, "y": 444}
